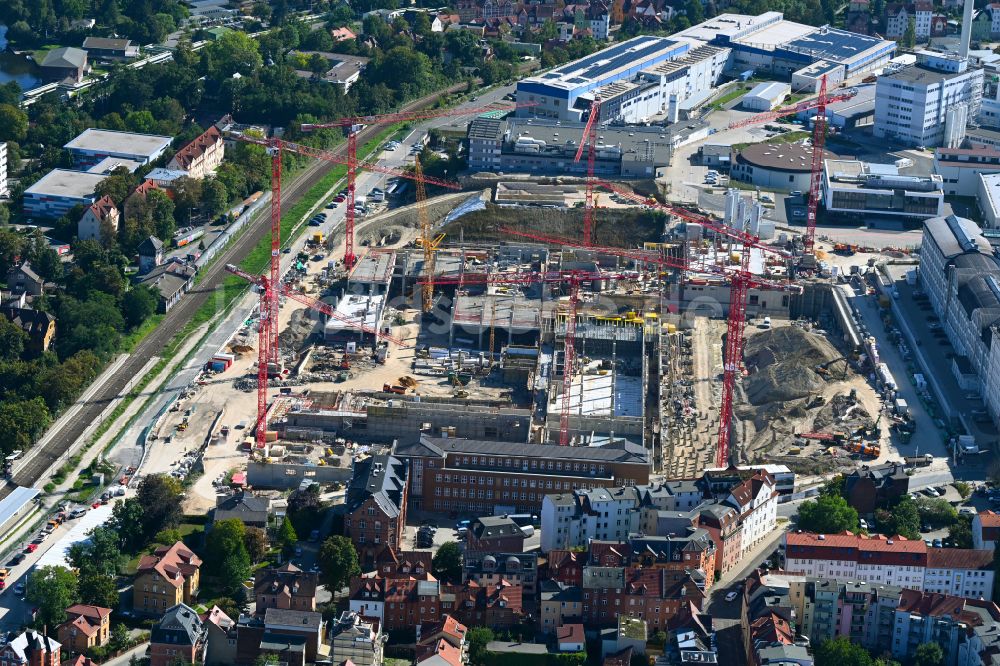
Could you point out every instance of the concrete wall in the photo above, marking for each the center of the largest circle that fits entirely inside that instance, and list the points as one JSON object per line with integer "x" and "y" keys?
{"x": 290, "y": 475}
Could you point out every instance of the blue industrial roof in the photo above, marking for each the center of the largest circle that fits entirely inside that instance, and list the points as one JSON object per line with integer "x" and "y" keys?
{"x": 607, "y": 60}
{"x": 833, "y": 44}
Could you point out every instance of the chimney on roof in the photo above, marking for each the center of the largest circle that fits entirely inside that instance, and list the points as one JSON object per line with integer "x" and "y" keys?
{"x": 963, "y": 48}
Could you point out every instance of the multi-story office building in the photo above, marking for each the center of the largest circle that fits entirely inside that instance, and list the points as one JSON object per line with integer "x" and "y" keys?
{"x": 929, "y": 103}
{"x": 859, "y": 189}
{"x": 961, "y": 276}
{"x": 491, "y": 477}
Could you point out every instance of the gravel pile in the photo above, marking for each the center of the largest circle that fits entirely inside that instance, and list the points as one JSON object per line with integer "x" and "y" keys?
{"x": 782, "y": 362}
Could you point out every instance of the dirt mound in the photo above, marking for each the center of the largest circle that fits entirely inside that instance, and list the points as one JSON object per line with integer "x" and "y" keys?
{"x": 300, "y": 326}
{"x": 782, "y": 364}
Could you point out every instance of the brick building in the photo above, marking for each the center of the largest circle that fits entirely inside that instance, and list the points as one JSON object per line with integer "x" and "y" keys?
{"x": 85, "y": 627}
{"x": 31, "y": 649}
{"x": 376, "y": 506}
{"x": 875, "y": 486}
{"x": 286, "y": 587}
{"x": 490, "y": 477}
{"x": 655, "y": 595}
{"x": 178, "y": 638}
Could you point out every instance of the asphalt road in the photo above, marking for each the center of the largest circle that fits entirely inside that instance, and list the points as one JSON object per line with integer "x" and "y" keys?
{"x": 212, "y": 277}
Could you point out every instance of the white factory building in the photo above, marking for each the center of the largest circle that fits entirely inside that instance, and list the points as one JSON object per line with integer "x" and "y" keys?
{"x": 688, "y": 65}
{"x": 960, "y": 168}
{"x": 766, "y": 96}
{"x": 864, "y": 190}
{"x": 929, "y": 103}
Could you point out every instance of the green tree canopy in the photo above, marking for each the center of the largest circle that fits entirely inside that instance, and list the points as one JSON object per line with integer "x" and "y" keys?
{"x": 928, "y": 654}
{"x": 903, "y": 519}
{"x": 226, "y": 554}
{"x": 829, "y": 514}
{"x": 338, "y": 562}
{"x": 842, "y": 652}
{"x": 52, "y": 589}
{"x": 286, "y": 534}
{"x": 160, "y": 496}
{"x": 936, "y": 512}
{"x": 447, "y": 562}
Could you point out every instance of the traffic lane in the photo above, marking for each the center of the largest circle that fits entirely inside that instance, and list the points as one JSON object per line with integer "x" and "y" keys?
{"x": 14, "y": 611}
{"x": 927, "y": 438}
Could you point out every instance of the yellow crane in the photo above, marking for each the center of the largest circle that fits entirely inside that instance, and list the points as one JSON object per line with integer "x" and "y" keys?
{"x": 425, "y": 237}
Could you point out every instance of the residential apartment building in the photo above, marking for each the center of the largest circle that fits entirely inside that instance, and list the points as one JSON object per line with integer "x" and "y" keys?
{"x": 85, "y": 627}
{"x": 960, "y": 168}
{"x": 286, "y": 587}
{"x": 355, "y": 639}
{"x": 654, "y": 595}
{"x": 962, "y": 627}
{"x": 100, "y": 221}
{"x": 929, "y": 103}
{"x": 375, "y": 506}
{"x": 985, "y": 530}
{"x": 756, "y": 501}
{"x": 168, "y": 577}
{"x": 202, "y": 156}
{"x": 559, "y": 603}
{"x": 178, "y": 638}
{"x": 873, "y": 486}
{"x": 492, "y": 477}
{"x": 31, "y": 648}
{"x": 961, "y": 276}
{"x": 489, "y": 569}
{"x": 4, "y": 189}
{"x": 494, "y": 534}
{"x": 894, "y": 561}
{"x": 220, "y": 638}
{"x": 828, "y": 609}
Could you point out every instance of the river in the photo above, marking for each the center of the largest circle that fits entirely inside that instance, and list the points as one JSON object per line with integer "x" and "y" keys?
{"x": 15, "y": 67}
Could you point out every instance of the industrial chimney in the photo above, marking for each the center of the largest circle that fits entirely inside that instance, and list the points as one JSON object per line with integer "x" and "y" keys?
{"x": 963, "y": 49}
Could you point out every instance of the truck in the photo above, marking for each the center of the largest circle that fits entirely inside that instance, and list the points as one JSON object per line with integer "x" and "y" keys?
{"x": 864, "y": 448}
{"x": 919, "y": 381}
{"x": 399, "y": 390}
{"x": 919, "y": 461}
{"x": 967, "y": 444}
{"x": 885, "y": 377}
{"x": 900, "y": 407}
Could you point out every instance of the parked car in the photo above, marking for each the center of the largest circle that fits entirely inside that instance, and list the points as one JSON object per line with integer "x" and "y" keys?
{"x": 731, "y": 595}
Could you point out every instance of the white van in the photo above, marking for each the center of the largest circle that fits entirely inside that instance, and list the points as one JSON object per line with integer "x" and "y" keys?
{"x": 767, "y": 322}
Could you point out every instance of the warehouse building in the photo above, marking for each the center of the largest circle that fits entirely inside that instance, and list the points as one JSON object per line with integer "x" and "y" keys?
{"x": 778, "y": 166}
{"x": 55, "y": 193}
{"x": 864, "y": 190}
{"x": 95, "y": 145}
{"x": 809, "y": 79}
{"x": 765, "y": 96}
{"x": 557, "y": 91}
{"x": 769, "y": 43}
{"x": 848, "y": 114}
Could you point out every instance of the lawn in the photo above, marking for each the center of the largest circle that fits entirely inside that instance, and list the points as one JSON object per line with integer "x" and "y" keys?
{"x": 738, "y": 91}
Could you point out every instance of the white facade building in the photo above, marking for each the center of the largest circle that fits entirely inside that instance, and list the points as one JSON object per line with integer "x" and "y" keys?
{"x": 930, "y": 103}
{"x": 756, "y": 501}
{"x": 988, "y": 198}
{"x": 861, "y": 189}
{"x": 960, "y": 168}
{"x": 766, "y": 96}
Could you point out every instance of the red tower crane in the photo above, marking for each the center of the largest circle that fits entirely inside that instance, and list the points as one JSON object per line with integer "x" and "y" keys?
{"x": 268, "y": 323}
{"x": 352, "y": 126}
{"x": 818, "y": 141}
{"x": 741, "y": 281}
{"x": 589, "y": 140}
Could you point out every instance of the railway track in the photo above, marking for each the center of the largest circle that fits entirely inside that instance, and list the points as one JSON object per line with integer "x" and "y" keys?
{"x": 178, "y": 317}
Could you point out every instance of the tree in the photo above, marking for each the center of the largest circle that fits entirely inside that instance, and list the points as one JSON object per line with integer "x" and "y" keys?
{"x": 478, "y": 638}
{"x": 928, "y": 654}
{"x": 214, "y": 197}
{"x": 11, "y": 246}
{"x": 936, "y": 512}
{"x": 827, "y": 515}
{"x": 338, "y": 562}
{"x": 120, "y": 637}
{"x": 12, "y": 340}
{"x": 52, "y": 589}
{"x": 98, "y": 589}
{"x": 233, "y": 52}
{"x": 903, "y": 519}
{"x": 963, "y": 488}
{"x": 226, "y": 554}
{"x": 100, "y": 553}
{"x": 447, "y": 562}
{"x": 694, "y": 11}
{"x": 286, "y": 534}
{"x": 227, "y": 605}
{"x": 304, "y": 500}
{"x": 160, "y": 496}
{"x": 842, "y": 652}
{"x": 961, "y": 532}
{"x": 910, "y": 36}
{"x": 127, "y": 520}
{"x": 13, "y": 123}
{"x": 138, "y": 304}
{"x": 255, "y": 541}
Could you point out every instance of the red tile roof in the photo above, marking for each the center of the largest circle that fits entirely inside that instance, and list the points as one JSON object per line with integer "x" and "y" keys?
{"x": 443, "y": 649}
{"x": 989, "y": 518}
{"x": 174, "y": 563}
{"x": 570, "y": 633}
{"x": 959, "y": 558}
{"x": 198, "y": 147}
{"x": 103, "y": 207}
{"x": 939, "y": 605}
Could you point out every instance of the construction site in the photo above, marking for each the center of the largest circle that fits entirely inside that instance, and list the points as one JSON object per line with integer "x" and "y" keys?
{"x": 688, "y": 338}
